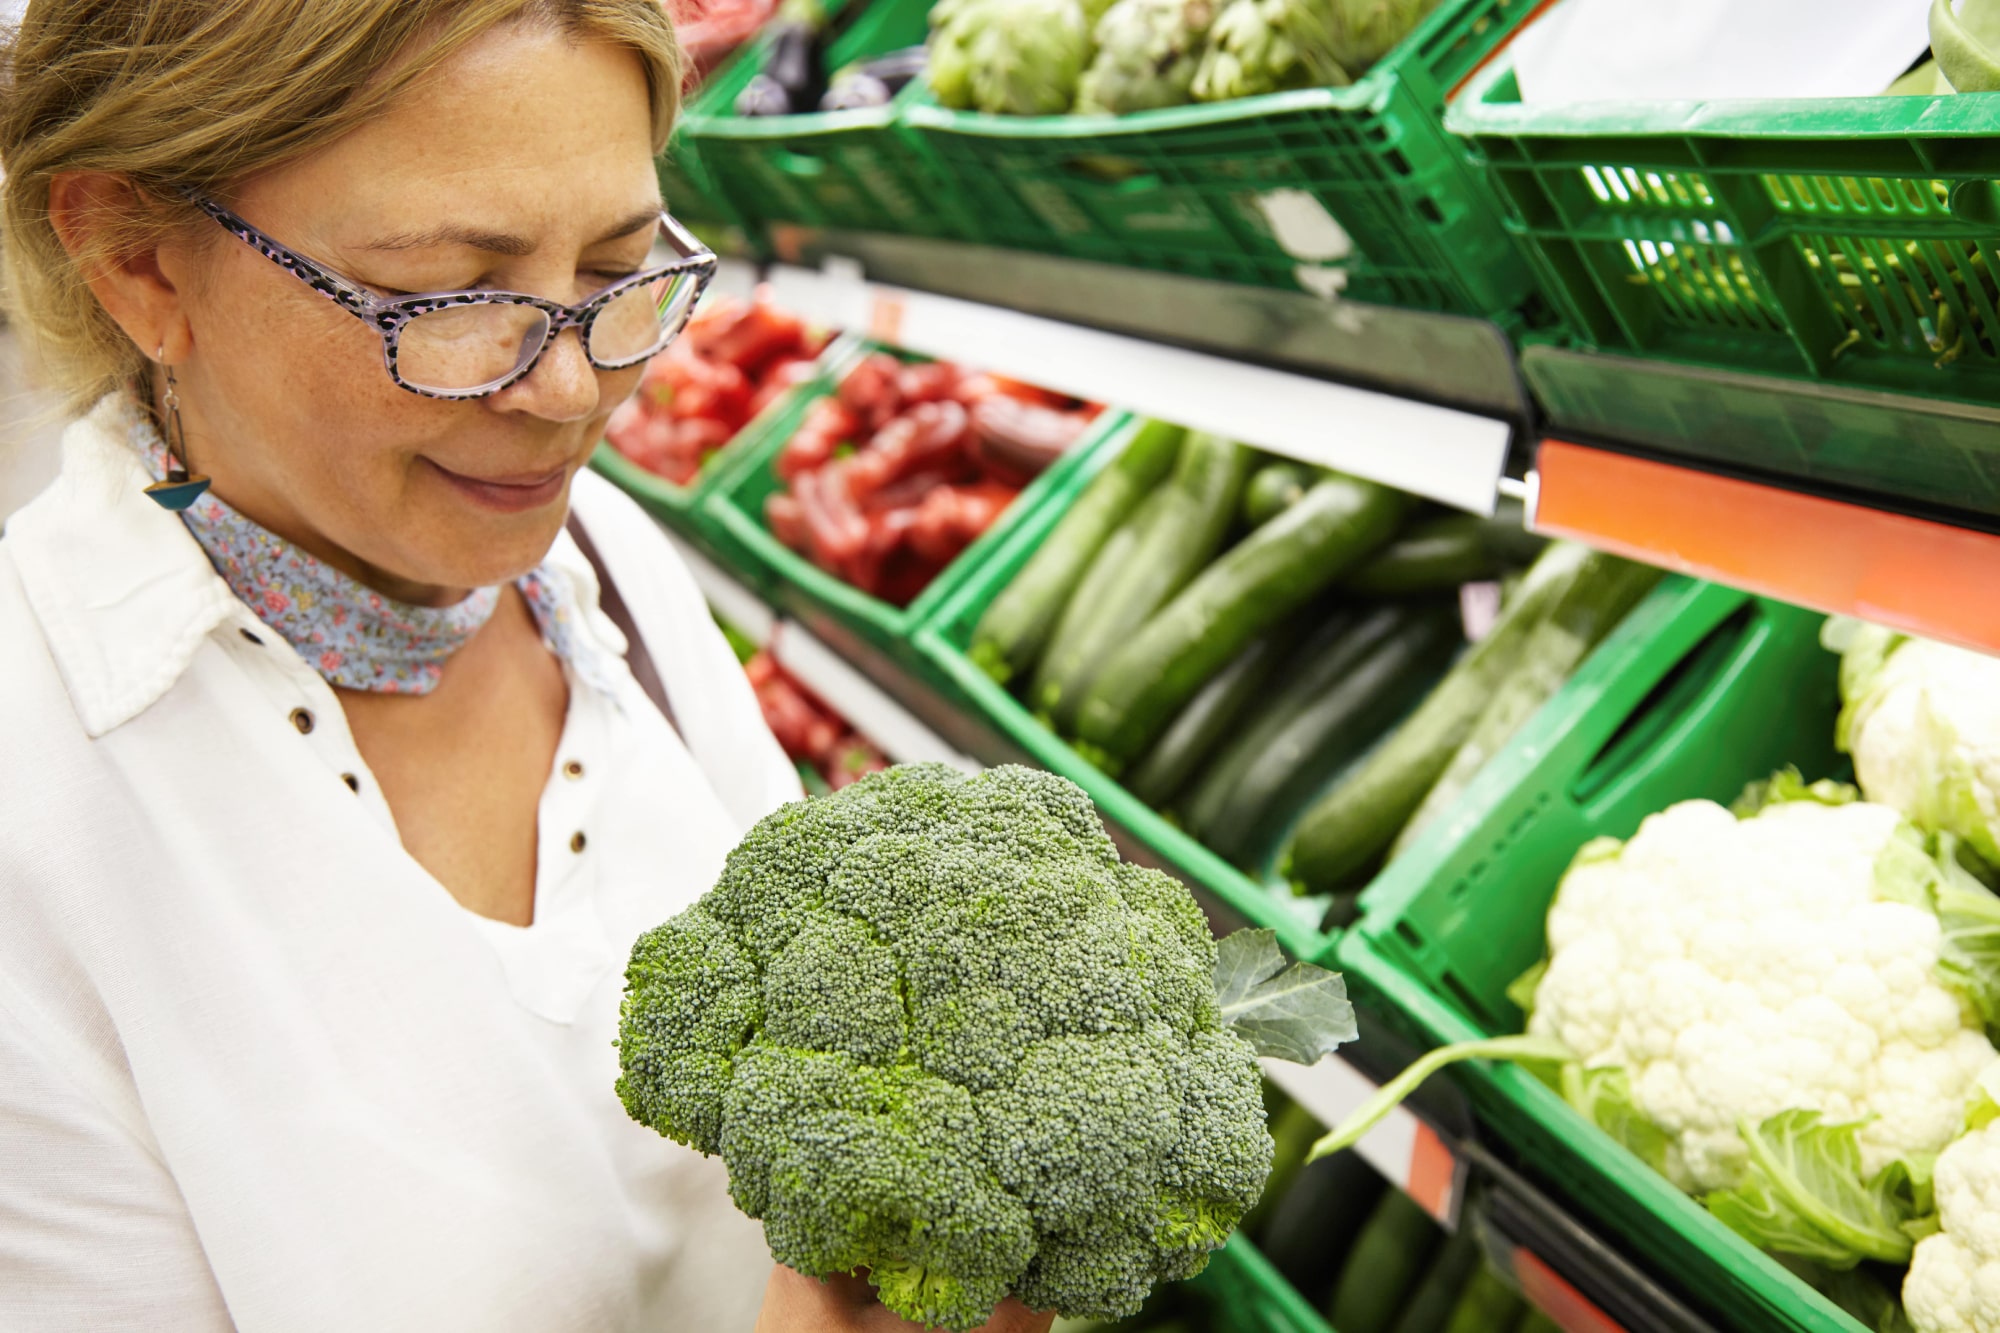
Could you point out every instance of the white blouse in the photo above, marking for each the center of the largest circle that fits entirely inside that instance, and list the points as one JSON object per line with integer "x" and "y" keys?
{"x": 257, "y": 1067}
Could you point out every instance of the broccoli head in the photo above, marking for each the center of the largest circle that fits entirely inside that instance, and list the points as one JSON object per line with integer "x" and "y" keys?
{"x": 938, "y": 1030}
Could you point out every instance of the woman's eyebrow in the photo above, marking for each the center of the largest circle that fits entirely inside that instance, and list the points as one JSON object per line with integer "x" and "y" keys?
{"x": 498, "y": 242}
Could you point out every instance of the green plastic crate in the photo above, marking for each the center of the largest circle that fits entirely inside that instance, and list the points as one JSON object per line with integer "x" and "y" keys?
{"x": 1178, "y": 189}
{"x": 829, "y": 606}
{"x": 837, "y": 169}
{"x": 1700, "y": 691}
{"x": 1821, "y": 239}
{"x": 1244, "y": 1294}
{"x": 943, "y": 643}
{"x": 689, "y": 195}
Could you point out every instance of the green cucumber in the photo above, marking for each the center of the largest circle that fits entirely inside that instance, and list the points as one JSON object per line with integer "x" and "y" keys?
{"x": 1384, "y": 1267}
{"x": 1444, "y": 1281}
{"x": 1326, "y": 651}
{"x": 1108, "y": 569}
{"x": 1273, "y": 488}
{"x": 1348, "y": 828}
{"x": 1214, "y": 711}
{"x": 1405, "y": 647}
{"x": 1487, "y": 1305}
{"x": 1265, "y": 577}
{"x": 1317, "y": 1220}
{"x": 1181, "y": 535}
{"x": 1294, "y": 1130}
{"x": 1600, "y": 595}
{"x": 1011, "y": 635}
{"x": 1442, "y": 553}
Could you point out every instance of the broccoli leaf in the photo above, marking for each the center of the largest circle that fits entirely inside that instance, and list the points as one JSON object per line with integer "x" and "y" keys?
{"x": 1291, "y": 1011}
{"x": 1803, "y": 1194}
{"x": 1604, "y": 1096}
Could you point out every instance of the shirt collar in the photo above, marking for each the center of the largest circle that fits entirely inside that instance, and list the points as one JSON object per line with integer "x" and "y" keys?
{"x": 126, "y": 596}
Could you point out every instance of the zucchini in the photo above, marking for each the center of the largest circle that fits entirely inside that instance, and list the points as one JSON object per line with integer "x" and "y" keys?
{"x": 1601, "y": 594}
{"x": 1182, "y": 534}
{"x": 1349, "y": 827}
{"x": 1487, "y": 1305}
{"x": 1327, "y": 651}
{"x": 1444, "y": 1281}
{"x": 1442, "y": 553}
{"x": 1108, "y": 569}
{"x": 1274, "y": 488}
{"x": 1403, "y": 649}
{"x": 1316, "y": 1221}
{"x": 1265, "y": 577}
{"x": 1294, "y": 1130}
{"x": 1215, "y": 709}
{"x": 1011, "y": 635}
{"x": 1384, "y": 1267}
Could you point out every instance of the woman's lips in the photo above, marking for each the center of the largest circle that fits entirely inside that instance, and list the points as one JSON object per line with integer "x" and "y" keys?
{"x": 509, "y": 495}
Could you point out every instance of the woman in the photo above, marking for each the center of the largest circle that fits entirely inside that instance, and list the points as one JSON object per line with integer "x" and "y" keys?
{"x": 333, "y": 795}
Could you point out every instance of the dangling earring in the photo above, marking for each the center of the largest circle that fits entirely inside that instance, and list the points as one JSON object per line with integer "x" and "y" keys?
{"x": 181, "y": 488}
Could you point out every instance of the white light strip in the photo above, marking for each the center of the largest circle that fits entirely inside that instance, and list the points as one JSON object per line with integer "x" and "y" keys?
{"x": 1455, "y": 457}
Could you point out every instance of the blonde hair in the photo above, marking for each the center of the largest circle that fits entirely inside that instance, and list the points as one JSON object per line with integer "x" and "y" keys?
{"x": 206, "y": 93}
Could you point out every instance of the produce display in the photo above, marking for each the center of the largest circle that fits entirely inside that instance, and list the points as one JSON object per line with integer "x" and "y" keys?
{"x": 891, "y": 476}
{"x": 937, "y": 1029}
{"x": 1090, "y": 57}
{"x": 1227, "y": 633}
{"x": 1788, "y": 1008}
{"x": 711, "y": 30}
{"x": 734, "y": 360}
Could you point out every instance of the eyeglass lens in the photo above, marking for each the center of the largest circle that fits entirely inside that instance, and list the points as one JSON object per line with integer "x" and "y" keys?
{"x": 458, "y": 348}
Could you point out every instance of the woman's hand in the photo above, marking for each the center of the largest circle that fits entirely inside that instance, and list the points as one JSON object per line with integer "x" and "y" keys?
{"x": 843, "y": 1303}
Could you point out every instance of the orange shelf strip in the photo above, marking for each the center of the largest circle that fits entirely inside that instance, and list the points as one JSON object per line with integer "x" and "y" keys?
{"x": 1925, "y": 578}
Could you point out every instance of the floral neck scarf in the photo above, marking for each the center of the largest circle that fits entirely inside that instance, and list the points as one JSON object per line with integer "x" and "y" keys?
{"x": 352, "y": 635}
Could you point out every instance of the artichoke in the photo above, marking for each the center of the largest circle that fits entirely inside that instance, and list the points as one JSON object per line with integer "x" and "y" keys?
{"x": 1364, "y": 30}
{"x": 1147, "y": 54}
{"x": 1268, "y": 46}
{"x": 1026, "y": 56}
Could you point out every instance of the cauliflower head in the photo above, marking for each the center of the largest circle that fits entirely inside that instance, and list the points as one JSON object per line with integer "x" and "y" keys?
{"x": 1735, "y": 969}
{"x": 937, "y": 1029}
{"x": 1922, "y": 721}
{"x": 1953, "y": 1284}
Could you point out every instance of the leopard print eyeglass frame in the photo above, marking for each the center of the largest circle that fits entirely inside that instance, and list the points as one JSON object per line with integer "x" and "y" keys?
{"x": 680, "y": 281}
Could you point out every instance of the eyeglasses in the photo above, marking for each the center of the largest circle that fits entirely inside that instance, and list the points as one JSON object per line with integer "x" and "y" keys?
{"x": 468, "y": 344}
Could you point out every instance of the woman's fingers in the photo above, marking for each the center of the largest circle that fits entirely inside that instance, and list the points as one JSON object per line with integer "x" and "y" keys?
{"x": 845, "y": 1303}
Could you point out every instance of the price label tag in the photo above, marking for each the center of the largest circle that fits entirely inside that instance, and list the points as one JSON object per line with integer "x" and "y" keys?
{"x": 1549, "y": 1292}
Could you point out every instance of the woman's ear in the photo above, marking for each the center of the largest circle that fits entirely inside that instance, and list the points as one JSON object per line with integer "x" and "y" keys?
{"x": 85, "y": 208}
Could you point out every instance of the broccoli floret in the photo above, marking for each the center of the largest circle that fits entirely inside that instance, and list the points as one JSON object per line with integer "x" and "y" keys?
{"x": 937, "y": 1030}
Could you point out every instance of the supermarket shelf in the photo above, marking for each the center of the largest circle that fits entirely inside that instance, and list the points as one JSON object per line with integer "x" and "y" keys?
{"x": 1449, "y": 359}
{"x": 1917, "y": 575}
{"x": 1443, "y": 453}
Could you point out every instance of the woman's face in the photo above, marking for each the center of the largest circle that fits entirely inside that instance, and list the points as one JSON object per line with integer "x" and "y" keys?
{"x": 523, "y": 164}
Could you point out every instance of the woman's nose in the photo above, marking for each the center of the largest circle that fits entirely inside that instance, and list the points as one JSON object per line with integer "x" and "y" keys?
{"x": 562, "y": 386}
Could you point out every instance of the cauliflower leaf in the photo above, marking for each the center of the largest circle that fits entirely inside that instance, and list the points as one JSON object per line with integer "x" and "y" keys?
{"x": 1803, "y": 1194}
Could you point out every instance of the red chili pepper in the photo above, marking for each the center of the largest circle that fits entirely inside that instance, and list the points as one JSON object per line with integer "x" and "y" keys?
{"x": 929, "y": 382}
{"x": 835, "y": 529}
{"x": 928, "y": 435}
{"x": 952, "y": 517}
{"x": 826, "y": 426}
{"x": 751, "y": 336}
{"x": 786, "y": 518}
{"x": 869, "y": 390}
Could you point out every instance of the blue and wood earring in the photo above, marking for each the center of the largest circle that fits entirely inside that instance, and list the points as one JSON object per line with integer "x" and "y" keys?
{"x": 181, "y": 487}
